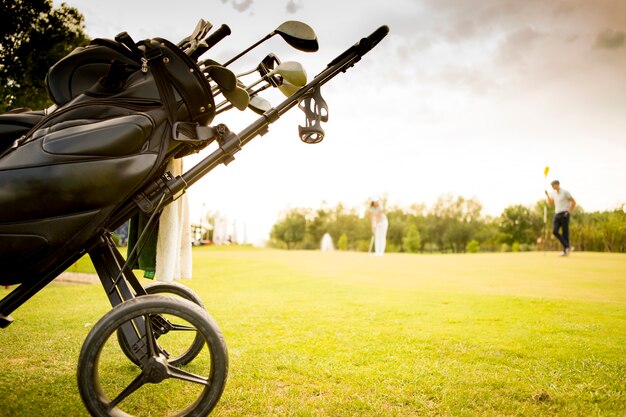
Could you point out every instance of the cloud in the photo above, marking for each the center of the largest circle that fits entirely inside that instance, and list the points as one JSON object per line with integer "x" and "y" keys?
{"x": 610, "y": 39}
{"x": 293, "y": 6}
{"x": 240, "y": 6}
{"x": 517, "y": 45}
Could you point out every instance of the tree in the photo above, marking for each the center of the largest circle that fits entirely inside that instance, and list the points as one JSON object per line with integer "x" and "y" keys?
{"x": 291, "y": 229}
{"x": 34, "y": 36}
{"x": 347, "y": 221}
{"x": 342, "y": 243}
{"x": 472, "y": 247}
{"x": 317, "y": 227}
{"x": 412, "y": 242}
{"x": 454, "y": 221}
{"x": 517, "y": 224}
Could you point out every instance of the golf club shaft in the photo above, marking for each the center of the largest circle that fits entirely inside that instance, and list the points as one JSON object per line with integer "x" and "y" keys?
{"x": 239, "y": 55}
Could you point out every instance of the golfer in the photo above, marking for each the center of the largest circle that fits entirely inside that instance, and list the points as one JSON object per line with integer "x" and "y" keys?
{"x": 563, "y": 204}
{"x": 379, "y": 226}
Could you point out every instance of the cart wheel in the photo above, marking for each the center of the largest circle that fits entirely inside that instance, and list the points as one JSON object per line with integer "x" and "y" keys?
{"x": 110, "y": 385}
{"x": 173, "y": 331}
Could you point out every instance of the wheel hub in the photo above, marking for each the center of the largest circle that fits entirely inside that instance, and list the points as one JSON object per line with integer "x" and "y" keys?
{"x": 155, "y": 369}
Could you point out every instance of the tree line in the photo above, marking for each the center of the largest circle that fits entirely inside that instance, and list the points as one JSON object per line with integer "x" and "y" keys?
{"x": 451, "y": 225}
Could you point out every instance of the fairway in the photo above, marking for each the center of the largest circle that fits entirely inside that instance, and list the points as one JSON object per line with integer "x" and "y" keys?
{"x": 348, "y": 334}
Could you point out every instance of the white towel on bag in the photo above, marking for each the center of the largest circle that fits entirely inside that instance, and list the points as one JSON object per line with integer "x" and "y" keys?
{"x": 173, "y": 254}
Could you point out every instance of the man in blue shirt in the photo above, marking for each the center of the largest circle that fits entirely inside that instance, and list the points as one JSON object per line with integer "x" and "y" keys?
{"x": 563, "y": 204}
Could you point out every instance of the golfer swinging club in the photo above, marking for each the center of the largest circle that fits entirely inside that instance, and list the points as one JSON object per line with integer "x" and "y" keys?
{"x": 563, "y": 204}
{"x": 379, "y": 226}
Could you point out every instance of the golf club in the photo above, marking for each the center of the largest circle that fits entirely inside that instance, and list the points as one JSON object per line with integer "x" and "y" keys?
{"x": 290, "y": 72}
{"x": 297, "y": 34}
{"x": 288, "y": 89}
{"x": 238, "y": 97}
{"x": 223, "y": 77}
{"x": 209, "y": 42}
{"x": 259, "y": 105}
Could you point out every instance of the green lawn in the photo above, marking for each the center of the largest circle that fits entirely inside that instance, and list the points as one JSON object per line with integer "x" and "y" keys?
{"x": 347, "y": 334}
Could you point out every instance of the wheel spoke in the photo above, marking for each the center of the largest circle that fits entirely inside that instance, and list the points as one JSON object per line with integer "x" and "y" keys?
{"x": 132, "y": 387}
{"x": 150, "y": 342}
{"x": 178, "y": 373}
{"x": 183, "y": 328}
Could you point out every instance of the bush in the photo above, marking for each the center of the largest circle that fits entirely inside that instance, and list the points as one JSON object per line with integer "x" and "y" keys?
{"x": 515, "y": 247}
{"x": 390, "y": 247}
{"x": 473, "y": 246}
{"x": 363, "y": 245}
{"x": 412, "y": 241}
{"x": 342, "y": 243}
{"x": 525, "y": 247}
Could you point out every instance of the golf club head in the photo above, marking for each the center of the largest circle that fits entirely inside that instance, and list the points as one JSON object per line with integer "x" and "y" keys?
{"x": 292, "y": 72}
{"x": 259, "y": 105}
{"x": 266, "y": 69}
{"x": 238, "y": 97}
{"x": 288, "y": 89}
{"x": 223, "y": 77}
{"x": 299, "y": 35}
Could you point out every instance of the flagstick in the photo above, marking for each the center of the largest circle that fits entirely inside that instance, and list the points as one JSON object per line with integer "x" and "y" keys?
{"x": 545, "y": 212}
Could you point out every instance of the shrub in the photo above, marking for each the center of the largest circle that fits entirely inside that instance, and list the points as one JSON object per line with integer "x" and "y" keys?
{"x": 342, "y": 243}
{"x": 472, "y": 246}
{"x": 412, "y": 241}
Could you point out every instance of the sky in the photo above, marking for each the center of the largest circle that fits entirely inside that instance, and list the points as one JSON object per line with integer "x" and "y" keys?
{"x": 470, "y": 98}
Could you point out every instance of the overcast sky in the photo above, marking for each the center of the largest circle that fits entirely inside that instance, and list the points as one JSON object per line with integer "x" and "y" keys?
{"x": 471, "y": 98}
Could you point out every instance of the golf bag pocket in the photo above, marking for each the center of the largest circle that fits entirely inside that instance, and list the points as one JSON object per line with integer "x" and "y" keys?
{"x": 15, "y": 124}
{"x": 79, "y": 163}
{"x": 112, "y": 137}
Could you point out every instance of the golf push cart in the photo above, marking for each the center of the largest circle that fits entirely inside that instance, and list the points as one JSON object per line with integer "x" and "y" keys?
{"x": 71, "y": 174}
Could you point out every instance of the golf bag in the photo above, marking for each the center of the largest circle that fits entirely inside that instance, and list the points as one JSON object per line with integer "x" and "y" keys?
{"x": 124, "y": 109}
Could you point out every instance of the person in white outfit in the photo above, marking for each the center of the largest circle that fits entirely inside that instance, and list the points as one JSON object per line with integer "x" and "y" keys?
{"x": 379, "y": 226}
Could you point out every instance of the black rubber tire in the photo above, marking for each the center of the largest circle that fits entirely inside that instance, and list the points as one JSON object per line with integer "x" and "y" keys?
{"x": 180, "y": 290}
{"x": 92, "y": 378}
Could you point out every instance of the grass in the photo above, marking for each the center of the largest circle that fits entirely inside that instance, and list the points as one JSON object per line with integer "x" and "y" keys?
{"x": 346, "y": 334}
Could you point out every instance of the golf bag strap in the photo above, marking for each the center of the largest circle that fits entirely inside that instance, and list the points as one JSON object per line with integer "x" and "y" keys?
{"x": 155, "y": 60}
{"x": 125, "y": 39}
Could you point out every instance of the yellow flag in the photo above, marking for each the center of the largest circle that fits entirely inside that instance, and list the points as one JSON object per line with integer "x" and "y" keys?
{"x": 545, "y": 171}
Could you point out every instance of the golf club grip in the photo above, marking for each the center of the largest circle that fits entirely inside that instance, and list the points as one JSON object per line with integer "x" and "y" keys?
{"x": 211, "y": 40}
{"x": 378, "y": 35}
{"x": 366, "y": 44}
{"x": 222, "y": 32}
{"x": 363, "y": 46}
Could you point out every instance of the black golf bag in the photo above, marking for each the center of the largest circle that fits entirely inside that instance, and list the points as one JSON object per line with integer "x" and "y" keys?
{"x": 64, "y": 176}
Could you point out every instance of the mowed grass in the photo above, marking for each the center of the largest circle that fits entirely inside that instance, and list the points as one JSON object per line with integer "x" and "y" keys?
{"x": 347, "y": 334}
